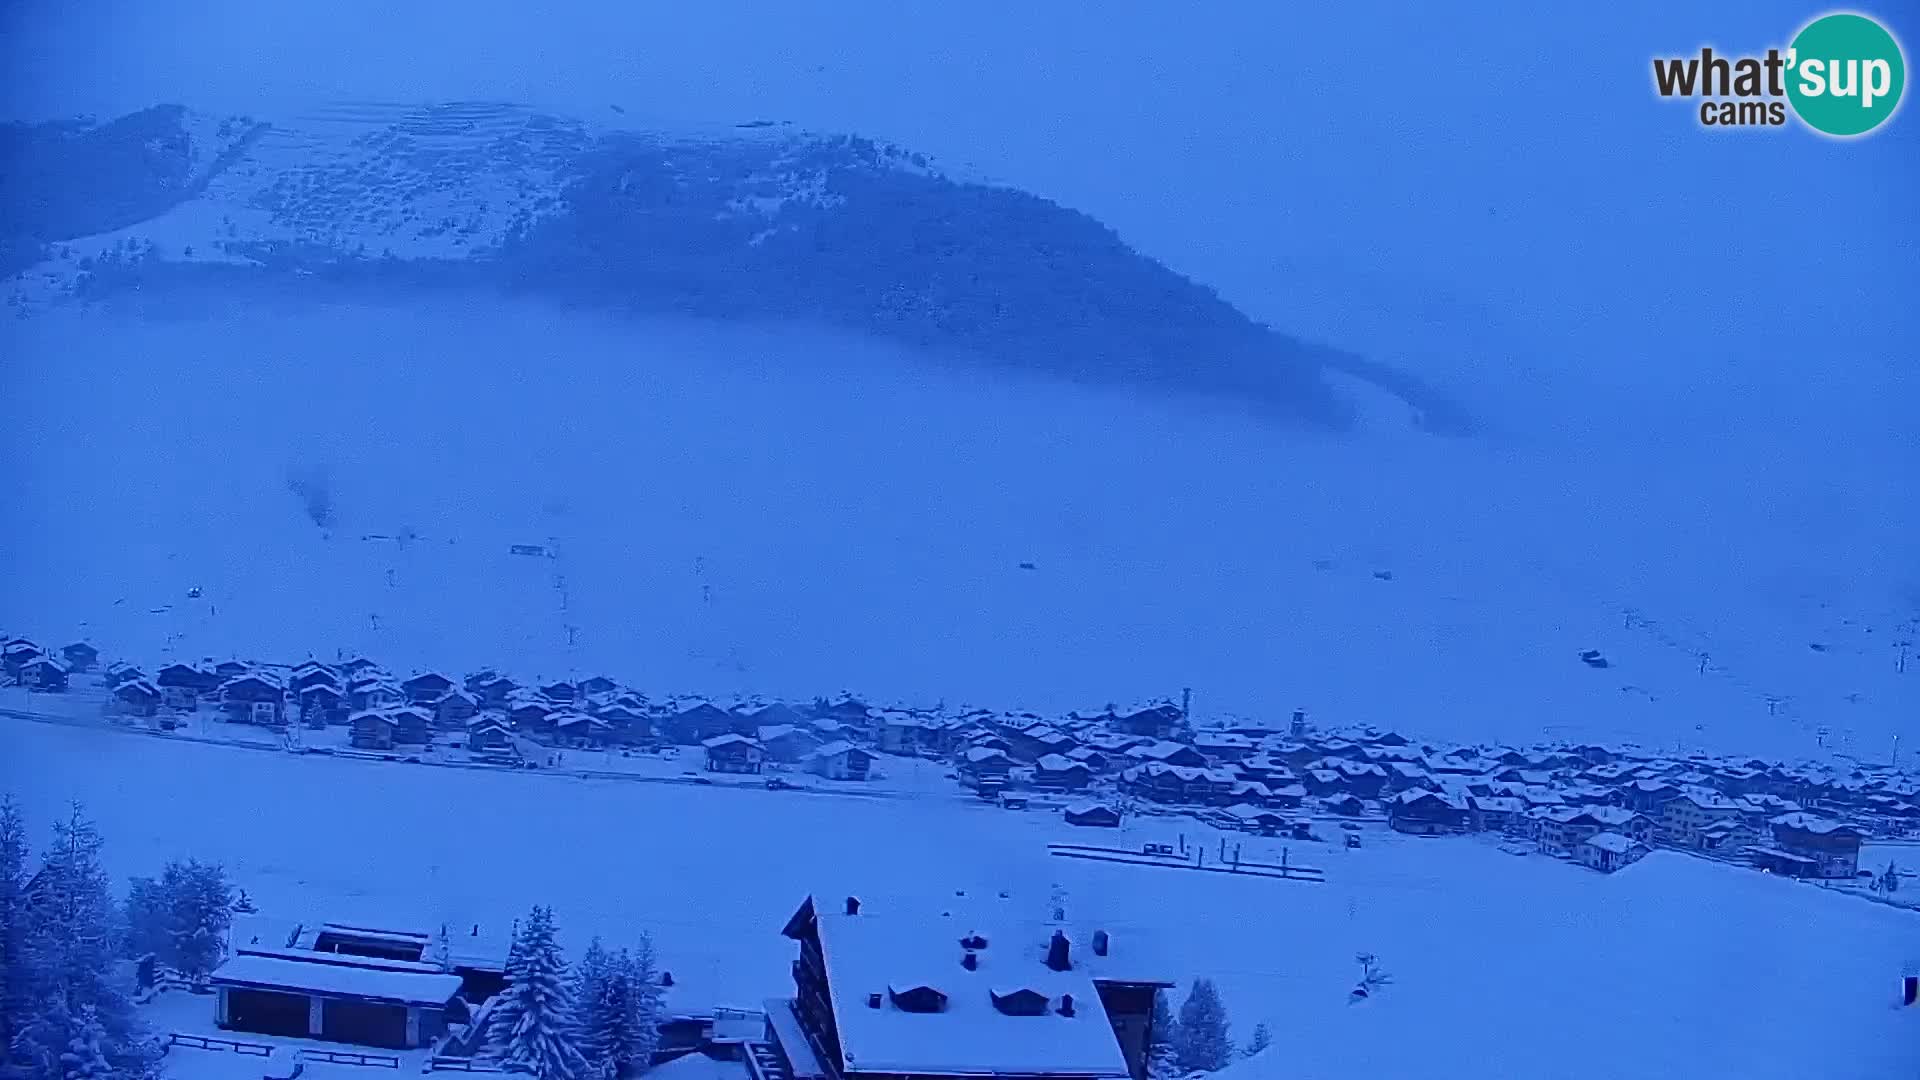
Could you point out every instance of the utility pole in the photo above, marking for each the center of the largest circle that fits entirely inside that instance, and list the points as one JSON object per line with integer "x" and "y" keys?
{"x": 1186, "y": 704}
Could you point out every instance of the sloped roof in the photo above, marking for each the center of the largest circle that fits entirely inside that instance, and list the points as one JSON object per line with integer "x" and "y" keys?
{"x": 867, "y": 953}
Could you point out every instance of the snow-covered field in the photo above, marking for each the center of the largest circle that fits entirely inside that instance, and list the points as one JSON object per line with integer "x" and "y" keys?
{"x": 1503, "y": 964}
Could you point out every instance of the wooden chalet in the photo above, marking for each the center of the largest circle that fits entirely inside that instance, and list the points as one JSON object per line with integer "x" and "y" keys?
{"x": 373, "y": 692}
{"x": 47, "y": 674}
{"x": 322, "y": 704}
{"x": 372, "y": 730}
{"x": 412, "y": 725}
{"x": 15, "y": 654}
{"x": 1055, "y": 772}
{"x": 454, "y": 708}
{"x": 183, "y": 684}
{"x": 731, "y": 753}
{"x": 1155, "y": 721}
{"x": 426, "y": 688}
{"x": 1094, "y": 815}
{"x": 489, "y": 734}
{"x": 787, "y": 743}
{"x": 531, "y": 716}
{"x": 80, "y": 656}
{"x": 696, "y": 722}
{"x": 494, "y": 690}
{"x": 311, "y": 673}
{"x": 985, "y": 765}
{"x": 1428, "y": 813}
{"x": 1609, "y": 851}
{"x": 889, "y": 997}
{"x": 254, "y": 698}
{"x": 839, "y": 760}
{"x": 137, "y": 697}
{"x": 581, "y": 730}
{"x": 1805, "y": 845}
{"x": 1168, "y": 753}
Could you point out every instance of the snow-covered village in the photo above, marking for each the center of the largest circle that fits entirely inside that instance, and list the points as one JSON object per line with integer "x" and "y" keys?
{"x": 1072, "y": 843}
{"x": 988, "y": 541}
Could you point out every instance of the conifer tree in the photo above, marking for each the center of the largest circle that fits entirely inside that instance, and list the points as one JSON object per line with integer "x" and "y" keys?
{"x": 1202, "y": 1041}
{"x": 532, "y": 1030}
{"x": 16, "y": 974}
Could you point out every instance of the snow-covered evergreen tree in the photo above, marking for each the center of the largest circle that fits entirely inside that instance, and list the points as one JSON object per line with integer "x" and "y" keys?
{"x": 635, "y": 1033}
{"x": 146, "y": 922}
{"x": 1259, "y": 1040}
{"x": 16, "y": 973}
{"x": 533, "y": 1026}
{"x": 595, "y": 994}
{"x": 201, "y": 905}
{"x": 1890, "y": 881}
{"x": 1202, "y": 1040}
{"x": 1163, "y": 1030}
{"x": 72, "y": 944}
{"x": 182, "y": 918}
{"x": 85, "y": 1057}
{"x": 617, "y": 998}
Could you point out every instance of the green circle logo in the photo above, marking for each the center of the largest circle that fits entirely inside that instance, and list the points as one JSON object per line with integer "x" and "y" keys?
{"x": 1845, "y": 74}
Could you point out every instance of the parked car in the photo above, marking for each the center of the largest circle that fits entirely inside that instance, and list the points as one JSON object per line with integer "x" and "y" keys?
{"x": 775, "y": 783}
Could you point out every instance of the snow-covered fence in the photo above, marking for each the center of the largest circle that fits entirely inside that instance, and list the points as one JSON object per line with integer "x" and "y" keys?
{"x": 348, "y": 1057}
{"x": 460, "y": 1064}
{"x": 207, "y": 1042}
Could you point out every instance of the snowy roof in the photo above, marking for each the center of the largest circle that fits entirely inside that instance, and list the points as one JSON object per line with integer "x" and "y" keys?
{"x": 770, "y": 732}
{"x": 1058, "y": 763}
{"x": 1500, "y": 804}
{"x": 979, "y": 754}
{"x": 866, "y": 954}
{"x": 1610, "y": 815}
{"x": 336, "y": 980}
{"x": 1611, "y": 841}
{"x": 726, "y": 740}
{"x": 1818, "y": 825}
{"x": 374, "y": 714}
{"x": 836, "y": 748}
{"x": 1087, "y": 806}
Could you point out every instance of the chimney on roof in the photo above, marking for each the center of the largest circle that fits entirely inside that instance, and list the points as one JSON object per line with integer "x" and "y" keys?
{"x": 1100, "y": 942}
{"x": 970, "y": 960}
{"x": 853, "y": 905}
{"x": 873, "y": 1001}
{"x": 1059, "y": 956}
{"x": 1066, "y": 1004}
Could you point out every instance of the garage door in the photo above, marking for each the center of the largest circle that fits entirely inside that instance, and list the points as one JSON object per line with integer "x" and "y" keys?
{"x": 365, "y": 1024}
{"x": 267, "y": 1012}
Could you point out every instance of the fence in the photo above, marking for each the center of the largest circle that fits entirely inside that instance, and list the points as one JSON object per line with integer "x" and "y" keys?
{"x": 205, "y": 1042}
{"x": 348, "y": 1057}
{"x": 460, "y": 1064}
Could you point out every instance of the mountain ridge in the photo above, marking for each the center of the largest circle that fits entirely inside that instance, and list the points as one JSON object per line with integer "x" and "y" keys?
{"x": 756, "y": 221}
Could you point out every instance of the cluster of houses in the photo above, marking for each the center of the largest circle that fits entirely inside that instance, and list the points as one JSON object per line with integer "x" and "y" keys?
{"x": 1590, "y": 803}
{"x": 1597, "y": 804}
{"x": 24, "y": 663}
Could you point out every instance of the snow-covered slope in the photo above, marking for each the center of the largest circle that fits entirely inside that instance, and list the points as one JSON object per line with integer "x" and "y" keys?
{"x": 774, "y": 510}
{"x": 752, "y": 221}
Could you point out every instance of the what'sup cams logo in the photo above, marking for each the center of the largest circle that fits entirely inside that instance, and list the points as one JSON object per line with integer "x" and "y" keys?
{"x": 1842, "y": 76}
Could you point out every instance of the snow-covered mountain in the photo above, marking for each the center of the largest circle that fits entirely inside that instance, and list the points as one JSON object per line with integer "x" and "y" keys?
{"x": 754, "y": 221}
{"x": 804, "y": 412}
